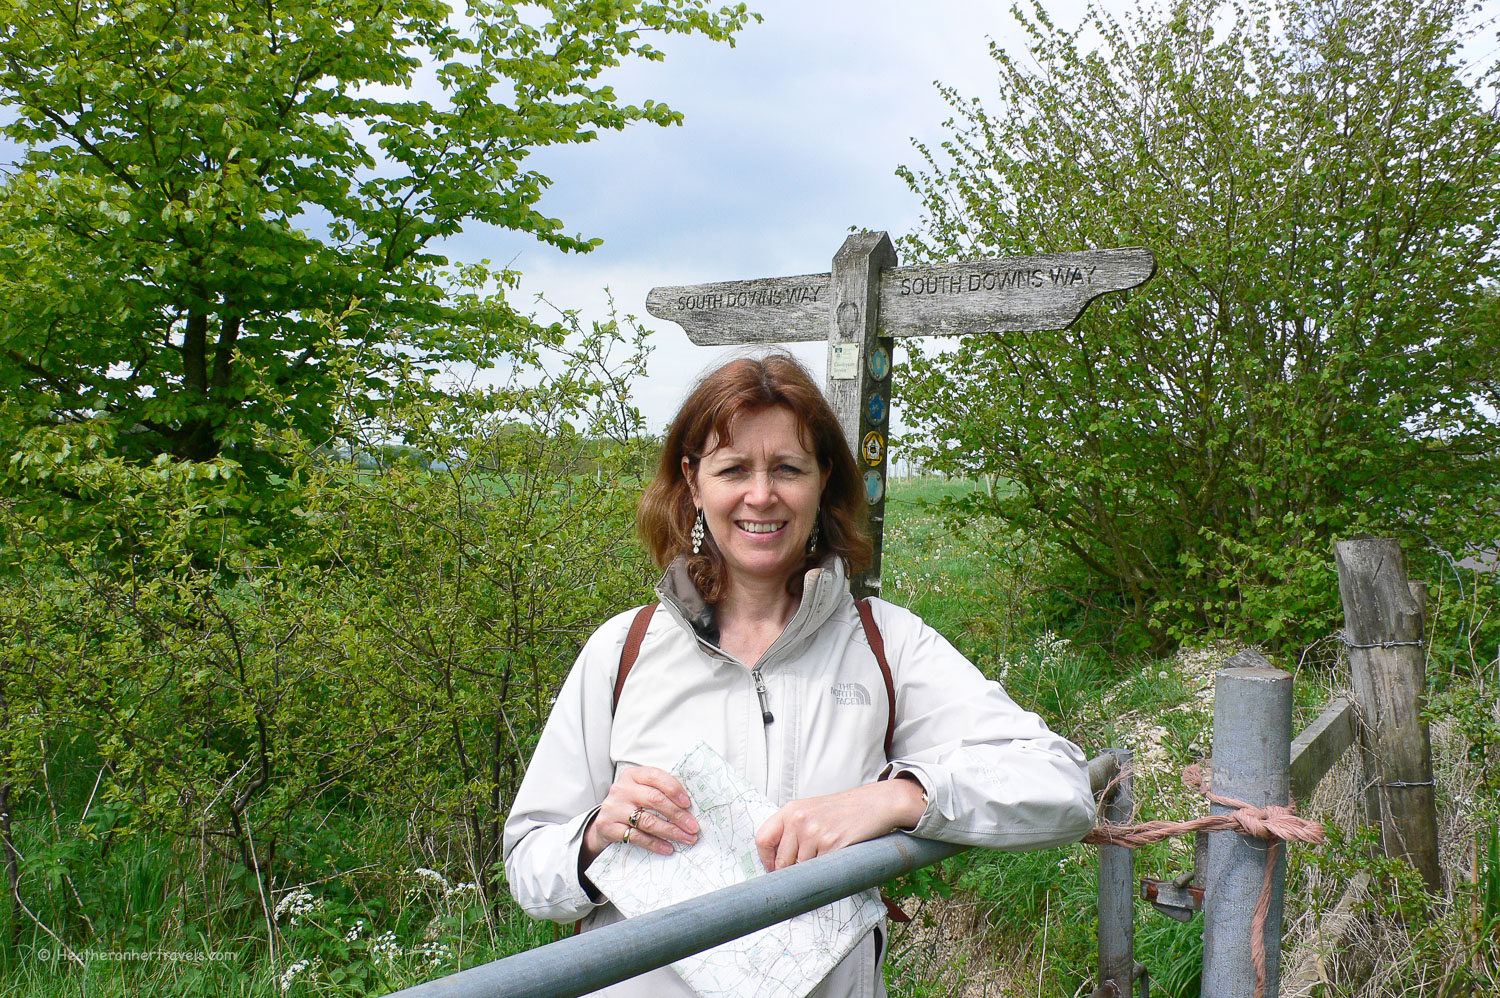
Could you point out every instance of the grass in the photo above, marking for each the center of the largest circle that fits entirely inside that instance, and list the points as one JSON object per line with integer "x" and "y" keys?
{"x": 365, "y": 930}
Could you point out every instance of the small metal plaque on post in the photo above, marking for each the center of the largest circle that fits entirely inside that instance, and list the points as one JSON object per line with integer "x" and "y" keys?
{"x": 843, "y": 361}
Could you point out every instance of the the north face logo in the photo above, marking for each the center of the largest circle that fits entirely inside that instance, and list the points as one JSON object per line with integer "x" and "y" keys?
{"x": 850, "y": 694}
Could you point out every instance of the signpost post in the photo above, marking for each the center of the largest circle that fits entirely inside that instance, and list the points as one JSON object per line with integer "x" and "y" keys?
{"x": 868, "y": 301}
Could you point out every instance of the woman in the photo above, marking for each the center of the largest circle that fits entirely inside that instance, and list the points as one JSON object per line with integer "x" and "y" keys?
{"x": 757, "y": 649}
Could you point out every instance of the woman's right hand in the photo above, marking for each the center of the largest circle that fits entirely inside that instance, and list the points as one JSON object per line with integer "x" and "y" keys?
{"x": 660, "y": 808}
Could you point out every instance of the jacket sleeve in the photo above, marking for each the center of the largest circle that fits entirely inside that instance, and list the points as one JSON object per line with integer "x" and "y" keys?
{"x": 569, "y": 775}
{"x": 994, "y": 774}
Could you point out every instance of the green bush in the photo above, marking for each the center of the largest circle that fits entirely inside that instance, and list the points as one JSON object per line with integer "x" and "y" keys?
{"x": 1316, "y": 355}
{"x": 185, "y": 742}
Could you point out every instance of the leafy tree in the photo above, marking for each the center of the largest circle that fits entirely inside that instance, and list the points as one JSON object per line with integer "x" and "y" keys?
{"x": 219, "y": 201}
{"x": 1316, "y": 355}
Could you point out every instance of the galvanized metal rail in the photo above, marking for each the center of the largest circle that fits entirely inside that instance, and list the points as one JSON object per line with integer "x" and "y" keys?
{"x": 613, "y": 953}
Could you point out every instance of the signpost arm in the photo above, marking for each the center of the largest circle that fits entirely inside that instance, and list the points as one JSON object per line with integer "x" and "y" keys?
{"x": 857, "y": 374}
{"x": 868, "y": 300}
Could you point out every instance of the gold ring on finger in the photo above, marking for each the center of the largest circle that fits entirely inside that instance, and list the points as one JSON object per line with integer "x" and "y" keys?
{"x": 635, "y": 817}
{"x": 626, "y": 839}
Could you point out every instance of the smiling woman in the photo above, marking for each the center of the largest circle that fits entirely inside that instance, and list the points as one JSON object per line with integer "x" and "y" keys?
{"x": 757, "y": 650}
{"x": 725, "y": 421}
{"x": 758, "y": 499}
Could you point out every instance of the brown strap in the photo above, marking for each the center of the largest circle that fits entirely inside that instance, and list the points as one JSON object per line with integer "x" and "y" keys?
{"x": 628, "y": 655}
{"x": 632, "y": 649}
{"x": 893, "y": 910}
{"x": 877, "y": 645}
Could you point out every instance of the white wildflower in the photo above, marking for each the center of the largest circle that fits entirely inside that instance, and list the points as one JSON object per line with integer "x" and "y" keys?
{"x": 291, "y": 974}
{"x": 432, "y": 876}
{"x": 1162, "y": 674}
{"x": 299, "y": 902}
{"x": 459, "y": 892}
{"x": 435, "y": 953}
{"x": 385, "y": 945}
{"x": 1048, "y": 644}
{"x": 355, "y": 931}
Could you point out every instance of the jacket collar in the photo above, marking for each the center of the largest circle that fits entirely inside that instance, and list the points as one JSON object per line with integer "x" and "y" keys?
{"x": 824, "y": 589}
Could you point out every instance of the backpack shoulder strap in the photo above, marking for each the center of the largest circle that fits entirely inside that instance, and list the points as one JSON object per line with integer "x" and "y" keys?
{"x": 632, "y": 649}
{"x": 877, "y": 645}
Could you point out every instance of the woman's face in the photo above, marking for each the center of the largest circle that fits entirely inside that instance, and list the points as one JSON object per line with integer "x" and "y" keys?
{"x": 759, "y": 494}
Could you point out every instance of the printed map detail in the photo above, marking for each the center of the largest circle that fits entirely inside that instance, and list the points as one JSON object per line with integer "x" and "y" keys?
{"x": 786, "y": 960}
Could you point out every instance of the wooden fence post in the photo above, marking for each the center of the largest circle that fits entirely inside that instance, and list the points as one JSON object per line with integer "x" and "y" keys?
{"x": 1252, "y": 752}
{"x": 1383, "y": 624}
{"x": 1117, "y": 890}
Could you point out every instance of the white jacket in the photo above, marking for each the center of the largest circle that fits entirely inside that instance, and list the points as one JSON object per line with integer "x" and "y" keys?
{"x": 994, "y": 774}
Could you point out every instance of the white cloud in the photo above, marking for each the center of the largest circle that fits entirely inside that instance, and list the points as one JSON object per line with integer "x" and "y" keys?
{"x": 790, "y": 138}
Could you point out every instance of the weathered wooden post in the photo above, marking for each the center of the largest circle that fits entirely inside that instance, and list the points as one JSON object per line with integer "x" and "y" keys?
{"x": 1117, "y": 889}
{"x": 860, "y": 391}
{"x": 1252, "y": 750}
{"x": 1383, "y": 624}
{"x": 867, "y": 301}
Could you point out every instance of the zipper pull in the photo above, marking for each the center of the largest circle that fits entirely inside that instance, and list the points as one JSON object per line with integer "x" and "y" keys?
{"x": 760, "y": 691}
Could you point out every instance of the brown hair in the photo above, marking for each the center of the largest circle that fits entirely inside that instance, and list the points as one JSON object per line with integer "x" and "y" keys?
{"x": 664, "y": 518}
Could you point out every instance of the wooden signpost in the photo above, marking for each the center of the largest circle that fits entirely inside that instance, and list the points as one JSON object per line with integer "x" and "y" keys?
{"x": 867, "y": 301}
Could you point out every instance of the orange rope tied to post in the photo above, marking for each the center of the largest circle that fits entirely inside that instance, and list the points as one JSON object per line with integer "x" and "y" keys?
{"x": 1273, "y": 823}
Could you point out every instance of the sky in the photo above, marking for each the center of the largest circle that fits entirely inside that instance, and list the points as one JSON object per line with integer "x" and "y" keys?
{"x": 790, "y": 138}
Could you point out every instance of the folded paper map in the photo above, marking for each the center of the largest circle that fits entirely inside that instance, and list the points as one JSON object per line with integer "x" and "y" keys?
{"x": 786, "y": 960}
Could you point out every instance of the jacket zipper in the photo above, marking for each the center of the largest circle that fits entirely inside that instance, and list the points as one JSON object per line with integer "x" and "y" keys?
{"x": 766, "y": 717}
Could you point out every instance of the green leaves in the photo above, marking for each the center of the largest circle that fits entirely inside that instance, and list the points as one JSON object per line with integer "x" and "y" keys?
{"x": 213, "y": 700}
{"x": 201, "y": 181}
{"x": 1316, "y": 351}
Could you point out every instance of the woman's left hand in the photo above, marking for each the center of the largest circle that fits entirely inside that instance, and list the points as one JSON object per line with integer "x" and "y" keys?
{"x": 813, "y": 826}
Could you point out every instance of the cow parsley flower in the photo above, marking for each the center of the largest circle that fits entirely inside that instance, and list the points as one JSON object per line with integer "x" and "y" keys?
{"x": 432, "y": 876}
{"x": 435, "y": 952}
{"x": 291, "y": 974}
{"x": 386, "y": 947}
{"x": 299, "y": 902}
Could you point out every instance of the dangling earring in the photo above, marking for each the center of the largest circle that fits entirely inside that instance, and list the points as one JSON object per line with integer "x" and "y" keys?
{"x": 812, "y": 538}
{"x": 698, "y": 533}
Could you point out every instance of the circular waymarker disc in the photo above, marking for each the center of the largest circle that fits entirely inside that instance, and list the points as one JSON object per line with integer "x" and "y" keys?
{"x": 874, "y": 487}
{"x": 875, "y": 409}
{"x": 880, "y": 363}
{"x": 873, "y": 448}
